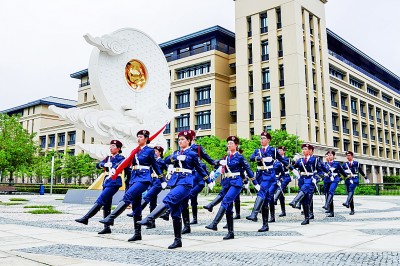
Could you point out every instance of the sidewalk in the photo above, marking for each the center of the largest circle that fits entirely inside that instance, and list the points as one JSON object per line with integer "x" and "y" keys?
{"x": 371, "y": 236}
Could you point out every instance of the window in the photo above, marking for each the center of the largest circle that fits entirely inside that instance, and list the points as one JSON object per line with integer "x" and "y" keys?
{"x": 85, "y": 97}
{"x": 336, "y": 73}
{"x": 250, "y": 52}
{"x": 365, "y": 149}
{"x": 265, "y": 79}
{"x": 343, "y": 101}
{"x": 281, "y": 76}
{"x": 283, "y": 105}
{"x": 355, "y": 82}
{"x": 61, "y": 139}
{"x": 192, "y": 71}
{"x": 267, "y": 128}
{"x": 167, "y": 129}
{"x": 183, "y": 122}
{"x": 344, "y": 125}
{"x": 333, "y": 98}
{"x": 386, "y": 98}
{"x": 355, "y": 127}
{"x": 233, "y": 92}
{"x": 169, "y": 100}
{"x": 356, "y": 146}
{"x": 248, "y": 26}
{"x": 372, "y": 91}
{"x": 203, "y": 95}
{"x": 267, "y": 107}
{"x": 71, "y": 137}
{"x": 203, "y": 120}
{"x": 42, "y": 142}
{"x": 251, "y": 81}
{"x": 397, "y": 104}
{"x": 182, "y": 99}
{"x": 345, "y": 145}
{"x": 336, "y": 142}
{"x": 353, "y": 104}
{"x": 280, "y": 46}
{"x": 52, "y": 139}
{"x": 264, "y": 51}
{"x": 335, "y": 127}
{"x": 263, "y": 23}
{"x": 251, "y": 109}
{"x": 278, "y": 18}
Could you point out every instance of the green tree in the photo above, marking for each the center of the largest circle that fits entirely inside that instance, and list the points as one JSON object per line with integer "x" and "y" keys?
{"x": 282, "y": 138}
{"x": 17, "y": 148}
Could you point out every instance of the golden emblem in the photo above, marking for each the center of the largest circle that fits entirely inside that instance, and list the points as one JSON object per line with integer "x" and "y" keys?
{"x": 136, "y": 74}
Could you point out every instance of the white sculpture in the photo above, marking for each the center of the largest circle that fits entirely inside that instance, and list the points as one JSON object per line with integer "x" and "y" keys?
{"x": 129, "y": 77}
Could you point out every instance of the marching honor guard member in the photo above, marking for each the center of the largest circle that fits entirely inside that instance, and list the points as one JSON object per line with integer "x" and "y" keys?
{"x": 156, "y": 185}
{"x": 233, "y": 166}
{"x": 265, "y": 158}
{"x": 308, "y": 167}
{"x": 140, "y": 180}
{"x": 181, "y": 183}
{"x": 331, "y": 182}
{"x": 284, "y": 180}
{"x": 352, "y": 169}
{"x": 110, "y": 186}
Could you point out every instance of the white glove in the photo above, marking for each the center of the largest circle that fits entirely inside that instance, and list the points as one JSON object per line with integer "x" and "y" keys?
{"x": 170, "y": 169}
{"x": 211, "y": 185}
{"x": 163, "y": 185}
{"x": 332, "y": 178}
{"x": 351, "y": 181}
{"x": 278, "y": 183}
{"x": 181, "y": 157}
{"x": 267, "y": 159}
{"x": 246, "y": 186}
{"x": 108, "y": 164}
{"x": 257, "y": 187}
{"x": 314, "y": 181}
{"x": 296, "y": 157}
{"x": 223, "y": 162}
{"x": 212, "y": 175}
{"x": 332, "y": 169}
{"x": 112, "y": 171}
{"x": 367, "y": 181}
{"x": 347, "y": 171}
{"x": 296, "y": 173}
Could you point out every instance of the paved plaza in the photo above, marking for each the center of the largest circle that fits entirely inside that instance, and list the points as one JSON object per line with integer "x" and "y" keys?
{"x": 370, "y": 237}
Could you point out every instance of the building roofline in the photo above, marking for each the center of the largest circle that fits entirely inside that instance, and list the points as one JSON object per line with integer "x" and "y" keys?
{"x": 355, "y": 49}
{"x": 80, "y": 74}
{"x": 213, "y": 29}
{"x": 51, "y": 100}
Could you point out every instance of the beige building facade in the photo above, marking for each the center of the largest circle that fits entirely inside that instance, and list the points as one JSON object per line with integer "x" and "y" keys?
{"x": 281, "y": 69}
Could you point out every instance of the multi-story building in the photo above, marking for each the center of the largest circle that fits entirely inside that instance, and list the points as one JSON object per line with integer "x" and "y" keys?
{"x": 281, "y": 69}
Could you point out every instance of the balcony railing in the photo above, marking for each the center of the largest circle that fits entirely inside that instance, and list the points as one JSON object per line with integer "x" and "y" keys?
{"x": 205, "y": 48}
{"x": 182, "y": 105}
{"x": 266, "y": 86}
{"x": 263, "y": 29}
{"x": 267, "y": 115}
{"x": 167, "y": 130}
{"x": 51, "y": 144}
{"x": 334, "y": 104}
{"x": 204, "y": 101}
{"x": 203, "y": 126}
{"x": 84, "y": 84}
{"x": 264, "y": 57}
{"x": 346, "y": 130}
{"x": 378, "y": 120}
{"x": 385, "y": 122}
{"x": 364, "y": 135}
{"x": 356, "y": 133}
{"x": 335, "y": 128}
{"x": 71, "y": 142}
{"x": 61, "y": 143}
{"x": 363, "y": 114}
{"x": 179, "y": 129}
{"x": 372, "y": 137}
{"x": 344, "y": 107}
{"x": 371, "y": 117}
{"x": 354, "y": 111}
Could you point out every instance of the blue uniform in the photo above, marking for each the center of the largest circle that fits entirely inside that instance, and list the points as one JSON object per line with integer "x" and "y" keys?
{"x": 110, "y": 186}
{"x": 283, "y": 174}
{"x": 336, "y": 170}
{"x": 142, "y": 163}
{"x": 155, "y": 188}
{"x": 266, "y": 172}
{"x": 355, "y": 168}
{"x": 181, "y": 181}
{"x": 234, "y": 169}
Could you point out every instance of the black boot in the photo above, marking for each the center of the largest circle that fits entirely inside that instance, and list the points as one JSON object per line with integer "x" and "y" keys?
{"x": 237, "y": 210}
{"x": 186, "y": 221}
{"x": 264, "y": 214}
{"x": 272, "y": 212}
{"x": 177, "y": 223}
{"x": 306, "y": 209}
{"x": 160, "y": 209}
{"x": 297, "y": 199}
{"x": 194, "y": 213}
{"x": 138, "y": 229}
{"x": 331, "y": 210}
{"x": 143, "y": 203}
{"x": 165, "y": 215}
{"x": 277, "y": 196}
{"x": 153, "y": 223}
{"x": 109, "y": 220}
{"x": 217, "y": 219}
{"x": 256, "y": 209}
{"x": 298, "y": 206}
{"x": 311, "y": 210}
{"x": 213, "y": 203}
{"x": 351, "y": 207}
{"x": 92, "y": 212}
{"x": 328, "y": 201}
{"x": 229, "y": 221}
{"x": 107, "y": 229}
{"x": 348, "y": 200}
{"x": 282, "y": 202}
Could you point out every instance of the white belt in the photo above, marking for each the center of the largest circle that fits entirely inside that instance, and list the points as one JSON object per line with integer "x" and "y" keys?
{"x": 286, "y": 173}
{"x": 231, "y": 175}
{"x": 306, "y": 174}
{"x": 264, "y": 167}
{"x": 140, "y": 167}
{"x": 353, "y": 175}
{"x": 182, "y": 170}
